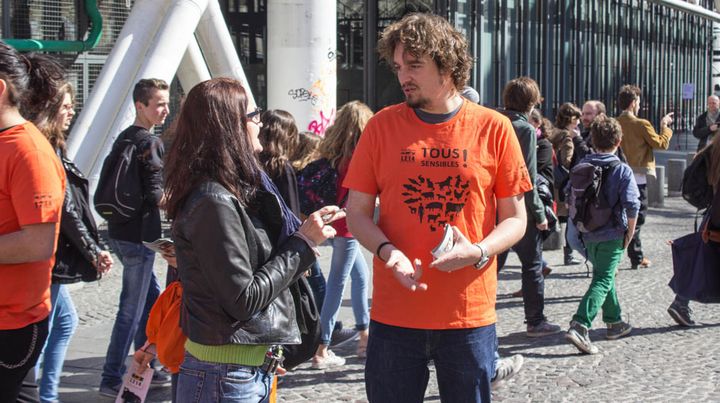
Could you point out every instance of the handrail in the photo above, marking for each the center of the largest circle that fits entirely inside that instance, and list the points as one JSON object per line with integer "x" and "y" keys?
{"x": 34, "y": 45}
{"x": 690, "y": 9}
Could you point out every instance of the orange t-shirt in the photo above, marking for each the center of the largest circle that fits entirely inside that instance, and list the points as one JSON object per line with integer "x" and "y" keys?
{"x": 32, "y": 186}
{"x": 427, "y": 175}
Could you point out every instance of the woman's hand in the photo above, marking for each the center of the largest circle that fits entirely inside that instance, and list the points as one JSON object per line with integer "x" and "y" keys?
{"x": 315, "y": 228}
{"x": 143, "y": 357}
{"x": 104, "y": 262}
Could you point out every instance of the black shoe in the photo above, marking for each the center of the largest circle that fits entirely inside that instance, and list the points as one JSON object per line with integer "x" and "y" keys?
{"x": 342, "y": 336}
{"x": 570, "y": 260}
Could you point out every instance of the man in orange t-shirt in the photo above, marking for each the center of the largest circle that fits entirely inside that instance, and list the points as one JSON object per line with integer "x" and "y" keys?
{"x": 432, "y": 161}
{"x": 32, "y": 184}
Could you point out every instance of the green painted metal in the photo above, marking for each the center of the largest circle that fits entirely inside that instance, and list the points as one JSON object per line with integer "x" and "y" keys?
{"x": 35, "y": 45}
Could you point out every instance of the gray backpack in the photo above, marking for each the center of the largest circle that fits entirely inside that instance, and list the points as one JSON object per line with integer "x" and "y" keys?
{"x": 589, "y": 208}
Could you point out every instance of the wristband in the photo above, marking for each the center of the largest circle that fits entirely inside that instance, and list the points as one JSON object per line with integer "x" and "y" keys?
{"x": 379, "y": 248}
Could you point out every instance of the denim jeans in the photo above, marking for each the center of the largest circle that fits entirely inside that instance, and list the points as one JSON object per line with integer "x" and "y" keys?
{"x": 347, "y": 259}
{"x": 529, "y": 250}
{"x": 605, "y": 257}
{"x": 209, "y": 382}
{"x": 140, "y": 289}
{"x": 63, "y": 321}
{"x": 572, "y": 237}
{"x": 635, "y": 252}
{"x": 317, "y": 284}
{"x": 397, "y": 363}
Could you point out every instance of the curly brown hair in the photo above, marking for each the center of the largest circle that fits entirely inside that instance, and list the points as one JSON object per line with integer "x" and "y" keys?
{"x": 427, "y": 34}
{"x": 521, "y": 94}
{"x": 606, "y": 133}
{"x": 627, "y": 94}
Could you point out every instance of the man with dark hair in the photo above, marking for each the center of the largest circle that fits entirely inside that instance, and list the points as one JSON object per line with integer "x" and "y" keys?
{"x": 639, "y": 141}
{"x": 140, "y": 287}
{"x": 707, "y": 124}
{"x": 605, "y": 244}
{"x": 436, "y": 162}
{"x": 520, "y": 97}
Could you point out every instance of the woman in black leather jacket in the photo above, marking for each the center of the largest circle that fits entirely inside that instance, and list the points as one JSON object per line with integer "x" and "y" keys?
{"x": 238, "y": 248}
{"x": 79, "y": 256}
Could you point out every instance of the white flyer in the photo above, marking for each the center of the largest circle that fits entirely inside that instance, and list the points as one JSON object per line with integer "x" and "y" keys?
{"x": 135, "y": 388}
{"x": 446, "y": 243}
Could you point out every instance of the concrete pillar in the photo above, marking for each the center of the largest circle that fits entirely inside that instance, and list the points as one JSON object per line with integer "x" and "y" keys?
{"x": 193, "y": 69}
{"x": 676, "y": 169}
{"x": 656, "y": 188}
{"x": 301, "y": 69}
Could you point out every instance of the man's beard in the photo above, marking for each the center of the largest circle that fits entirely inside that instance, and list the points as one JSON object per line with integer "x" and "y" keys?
{"x": 418, "y": 103}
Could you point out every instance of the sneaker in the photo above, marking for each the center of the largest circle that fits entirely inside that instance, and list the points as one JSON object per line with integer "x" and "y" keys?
{"x": 109, "y": 391}
{"x": 327, "y": 362}
{"x": 617, "y": 330}
{"x": 160, "y": 377}
{"x": 644, "y": 264}
{"x": 342, "y": 336}
{"x": 543, "y": 328}
{"x": 571, "y": 260}
{"x": 579, "y": 336}
{"x": 506, "y": 369}
{"x": 682, "y": 315}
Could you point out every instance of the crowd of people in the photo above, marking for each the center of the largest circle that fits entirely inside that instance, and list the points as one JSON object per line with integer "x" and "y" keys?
{"x": 234, "y": 187}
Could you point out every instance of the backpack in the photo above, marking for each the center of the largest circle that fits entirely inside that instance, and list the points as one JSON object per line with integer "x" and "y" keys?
{"x": 589, "y": 208}
{"x": 119, "y": 193}
{"x": 317, "y": 185}
{"x": 695, "y": 188}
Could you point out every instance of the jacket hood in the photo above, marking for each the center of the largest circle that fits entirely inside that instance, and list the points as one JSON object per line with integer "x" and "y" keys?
{"x": 514, "y": 115}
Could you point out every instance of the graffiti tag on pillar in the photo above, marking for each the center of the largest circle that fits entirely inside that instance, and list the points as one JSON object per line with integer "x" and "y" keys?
{"x": 331, "y": 55}
{"x": 318, "y": 126}
{"x": 303, "y": 95}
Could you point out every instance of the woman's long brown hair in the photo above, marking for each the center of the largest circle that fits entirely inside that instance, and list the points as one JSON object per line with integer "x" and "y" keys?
{"x": 279, "y": 137}
{"x": 211, "y": 144}
{"x": 342, "y": 136}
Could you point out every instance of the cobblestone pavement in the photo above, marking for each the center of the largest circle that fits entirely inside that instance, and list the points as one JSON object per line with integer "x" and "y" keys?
{"x": 657, "y": 362}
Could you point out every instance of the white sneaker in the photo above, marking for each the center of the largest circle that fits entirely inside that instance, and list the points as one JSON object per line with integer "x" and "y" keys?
{"x": 327, "y": 362}
{"x": 506, "y": 369}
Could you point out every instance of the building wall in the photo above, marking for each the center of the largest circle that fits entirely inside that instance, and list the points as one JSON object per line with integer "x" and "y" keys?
{"x": 575, "y": 49}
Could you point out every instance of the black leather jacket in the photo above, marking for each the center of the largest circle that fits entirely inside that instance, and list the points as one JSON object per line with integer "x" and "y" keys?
{"x": 235, "y": 276}
{"x": 78, "y": 240}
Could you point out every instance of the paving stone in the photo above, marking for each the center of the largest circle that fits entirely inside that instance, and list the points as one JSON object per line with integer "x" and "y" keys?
{"x": 659, "y": 361}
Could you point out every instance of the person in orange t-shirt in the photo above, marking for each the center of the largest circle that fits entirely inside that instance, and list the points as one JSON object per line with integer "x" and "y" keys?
{"x": 434, "y": 160}
{"x": 32, "y": 183}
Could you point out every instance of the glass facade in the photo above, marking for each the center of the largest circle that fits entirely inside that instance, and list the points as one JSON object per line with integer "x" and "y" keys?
{"x": 575, "y": 49}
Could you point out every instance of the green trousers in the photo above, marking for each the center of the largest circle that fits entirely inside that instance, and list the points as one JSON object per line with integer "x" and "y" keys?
{"x": 605, "y": 258}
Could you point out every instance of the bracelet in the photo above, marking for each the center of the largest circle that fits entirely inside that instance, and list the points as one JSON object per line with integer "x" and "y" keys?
{"x": 309, "y": 242}
{"x": 379, "y": 248}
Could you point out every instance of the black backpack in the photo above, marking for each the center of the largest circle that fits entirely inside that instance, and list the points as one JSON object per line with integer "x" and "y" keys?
{"x": 317, "y": 185}
{"x": 695, "y": 188}
{"x": 589, "y": 208}
{"x": 119, "y": 193}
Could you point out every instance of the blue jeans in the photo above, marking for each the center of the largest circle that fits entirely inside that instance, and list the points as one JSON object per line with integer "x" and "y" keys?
{"x": 317, "y": 284}
{"x": 529, "y": 250}
{"x": 209, "y": 382}
{"x": 140, "y": 289}
{"x": 572, "y": 237}
{"x": 347, "y": 259}
{"x": 397, "y": 363}
{"x": 62, "y": 322}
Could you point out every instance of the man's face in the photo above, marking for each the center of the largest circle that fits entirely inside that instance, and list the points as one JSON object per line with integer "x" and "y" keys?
{"x": 713, "y": 104}
{"x": 636, "y": 106}
{"x": 420, "y": 79}
{"x": 589, "y": 113}
{"x": 157, "y": 108}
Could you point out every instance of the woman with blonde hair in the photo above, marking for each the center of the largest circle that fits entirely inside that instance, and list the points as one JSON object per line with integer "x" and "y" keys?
{"x": 347, "y": 260}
